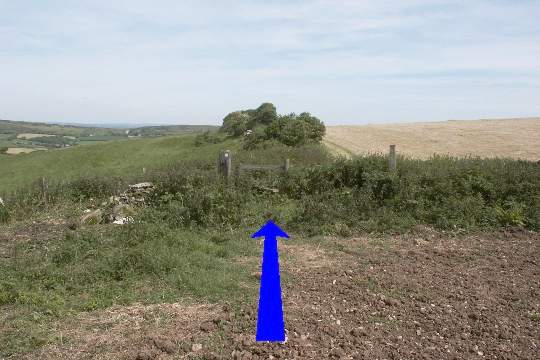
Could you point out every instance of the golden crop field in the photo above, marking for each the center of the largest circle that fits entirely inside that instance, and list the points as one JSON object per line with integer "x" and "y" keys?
{"x": 514, "y": 138}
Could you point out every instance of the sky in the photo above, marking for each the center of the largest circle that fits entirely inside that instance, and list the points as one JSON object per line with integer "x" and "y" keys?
{"x": 192, "y": 62}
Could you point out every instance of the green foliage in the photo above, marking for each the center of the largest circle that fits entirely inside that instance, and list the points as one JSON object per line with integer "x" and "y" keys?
{"x": 511, "y": 214}
{"x": 294, "y": 130}
{"x": 145, "y": 262}
{"x": 264, "y": 114}
{"x": 3, "y": 149}
{"x": 263, "y": 124}
{"x": 184, "y": 242}
{"x": 236, "y": 123}
{"x": 53, "y": 141}
{"x": 346, "y": 196}
{"x": 257, "y": 139}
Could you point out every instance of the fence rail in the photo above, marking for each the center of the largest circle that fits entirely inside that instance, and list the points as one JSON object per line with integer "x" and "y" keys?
{"x": 225, "y": 165}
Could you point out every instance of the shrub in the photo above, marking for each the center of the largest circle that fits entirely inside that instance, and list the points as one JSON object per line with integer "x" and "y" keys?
{"x": 264, "y": 114}
{"x": 511, "y": 213}
{"x": 322, "y": 195}
{"x": 236, "y": 123}
{"x": 266, "y": 125}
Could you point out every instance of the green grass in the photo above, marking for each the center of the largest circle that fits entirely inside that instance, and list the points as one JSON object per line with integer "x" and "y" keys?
{"x": 195, "y": 224}
{"x": 183, "y": 247}
{"x": 147, "y": 262}
{"x": 116, "y": 158}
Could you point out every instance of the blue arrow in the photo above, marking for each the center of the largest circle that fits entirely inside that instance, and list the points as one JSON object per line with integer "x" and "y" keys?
{"x": 270, "y": 324}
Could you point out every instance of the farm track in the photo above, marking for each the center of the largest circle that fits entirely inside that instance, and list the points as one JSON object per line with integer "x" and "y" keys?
{"x": 421, "y": 296}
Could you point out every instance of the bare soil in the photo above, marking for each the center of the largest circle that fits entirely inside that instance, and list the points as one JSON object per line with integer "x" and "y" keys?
{"x": 421, "y": 296}
{"x": 513, "y": 138}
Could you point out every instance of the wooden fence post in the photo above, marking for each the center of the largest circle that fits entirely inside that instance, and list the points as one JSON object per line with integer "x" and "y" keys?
{"x": 225, "y": 163}
{"x": 286, "y": 165}
{"x": 228, "y": 164}
{"x": 392, "y": 158}
{"x": 44, "y": 187}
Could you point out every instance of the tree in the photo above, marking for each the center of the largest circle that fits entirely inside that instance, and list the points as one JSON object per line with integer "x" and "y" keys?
{"x": 266, "y": 124}
{"x": 315, "y": 127}
{"x": 265, "y": 114}
{"x": 236, "y": 123}
{"x": 294, "y": 130}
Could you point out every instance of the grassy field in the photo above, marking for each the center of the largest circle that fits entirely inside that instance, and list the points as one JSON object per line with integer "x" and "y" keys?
{"x": 190, "y": 245}
{"x": 23, "y": 127}
{"x": 112, "y": 158}
{"x": 512, "y": 138}
{"x": 17, "y": 137}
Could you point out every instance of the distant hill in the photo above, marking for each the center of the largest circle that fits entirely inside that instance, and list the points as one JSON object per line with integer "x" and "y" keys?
{"x": 514, "y": 138}
{"x": 22, "y": 137}
{"x": 108, "y": 158}
{"x": 170, "y": 129}
{"x": 21, "y": 127}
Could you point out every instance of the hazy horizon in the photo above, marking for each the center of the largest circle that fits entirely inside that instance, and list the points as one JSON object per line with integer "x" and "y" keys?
{"x": 128, "y": 125}
{"x": 192, "y": 62}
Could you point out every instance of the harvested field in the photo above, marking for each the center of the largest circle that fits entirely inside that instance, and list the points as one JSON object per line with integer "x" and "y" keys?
{"x": 20, "y": 150}
{"x": 28, "y": 136}
{"x": 514, "y": 138}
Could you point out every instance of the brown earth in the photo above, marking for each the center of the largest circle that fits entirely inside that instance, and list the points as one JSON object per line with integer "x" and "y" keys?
{"x": 514, "y": 138}
{"x": 421, "y": 296}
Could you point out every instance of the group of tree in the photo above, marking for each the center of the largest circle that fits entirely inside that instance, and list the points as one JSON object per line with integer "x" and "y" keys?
{"x": 264, "y": 124}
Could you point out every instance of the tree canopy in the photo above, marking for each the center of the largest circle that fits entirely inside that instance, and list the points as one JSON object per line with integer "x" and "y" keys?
{"x": 265, "y": 124}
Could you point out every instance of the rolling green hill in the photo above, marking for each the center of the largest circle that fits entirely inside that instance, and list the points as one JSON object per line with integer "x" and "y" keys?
{"x": 170, "y": 130}
{"x": 21, "y": 127}
{"x": 112, "y": 158}
{"x": 20, "y": 137}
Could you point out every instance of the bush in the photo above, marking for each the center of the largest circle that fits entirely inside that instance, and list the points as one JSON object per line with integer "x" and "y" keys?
{"x": 236, "y": 123}
{"x": 263, "y": 124}
{"x": 511, "y": 213}
{"x": 294, "y": 130}
{"x": 264, "y": 115}
{"x": 321, "y": 195}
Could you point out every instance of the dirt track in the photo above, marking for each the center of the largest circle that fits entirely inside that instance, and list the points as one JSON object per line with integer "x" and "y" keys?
{"x": 425, "y": 296}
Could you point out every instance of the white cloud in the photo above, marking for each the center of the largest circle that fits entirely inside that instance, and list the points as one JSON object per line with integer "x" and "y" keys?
{"x": 193, "y": 61}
